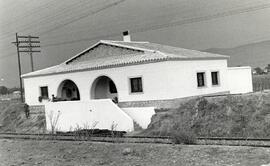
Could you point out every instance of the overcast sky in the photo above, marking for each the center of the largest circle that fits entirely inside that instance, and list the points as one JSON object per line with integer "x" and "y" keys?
{"x": 66, "y": 27}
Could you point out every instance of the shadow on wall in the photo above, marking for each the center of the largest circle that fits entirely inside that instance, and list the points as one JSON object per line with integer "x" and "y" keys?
{"x": 104, "y": 88}
{"x": 67, "y": 91}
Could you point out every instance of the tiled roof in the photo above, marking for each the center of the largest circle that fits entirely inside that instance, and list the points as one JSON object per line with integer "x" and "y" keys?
{"x": 171, "y": 51}
{"x": 150, "y": 52}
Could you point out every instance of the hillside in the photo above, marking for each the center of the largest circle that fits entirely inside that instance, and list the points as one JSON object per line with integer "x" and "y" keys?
{"x": 13, "y": 119}
{"x": 254, "y": 54}
{"x": 227, "y": 116}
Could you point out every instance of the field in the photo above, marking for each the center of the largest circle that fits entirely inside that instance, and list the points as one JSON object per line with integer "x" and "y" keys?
{"x": 25, "y": 152}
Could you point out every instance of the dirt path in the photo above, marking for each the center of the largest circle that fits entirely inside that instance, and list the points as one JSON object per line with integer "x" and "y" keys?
{"x": 25, "y": 152}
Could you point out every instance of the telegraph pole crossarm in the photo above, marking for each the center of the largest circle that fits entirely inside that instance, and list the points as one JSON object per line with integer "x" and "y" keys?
{"x": 34, "y": 37}
{"x": 29, "y": 43}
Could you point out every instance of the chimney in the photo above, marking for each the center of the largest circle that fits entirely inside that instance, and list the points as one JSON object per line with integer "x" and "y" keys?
{"x": 126, "y": 36}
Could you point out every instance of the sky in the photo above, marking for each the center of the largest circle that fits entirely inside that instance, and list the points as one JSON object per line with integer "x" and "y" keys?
{"x": 66, "y": 27}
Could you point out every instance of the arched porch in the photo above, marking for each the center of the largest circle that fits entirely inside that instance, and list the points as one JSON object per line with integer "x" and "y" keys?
{"x": 104, "y": 88}
{"x": 68, "y": 91}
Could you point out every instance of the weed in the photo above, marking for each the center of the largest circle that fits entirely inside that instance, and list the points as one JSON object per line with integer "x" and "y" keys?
{"x": 53, "y": 120}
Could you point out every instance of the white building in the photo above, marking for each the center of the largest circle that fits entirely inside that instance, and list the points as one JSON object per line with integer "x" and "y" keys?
{"x": 126, "y": 71}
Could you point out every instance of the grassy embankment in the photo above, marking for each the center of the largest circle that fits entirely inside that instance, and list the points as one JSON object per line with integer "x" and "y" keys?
{"x": 13, "y": 119}
{"x": 245, "y": 115}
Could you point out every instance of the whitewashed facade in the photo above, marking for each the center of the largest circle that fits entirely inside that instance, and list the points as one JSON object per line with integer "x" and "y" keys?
{"x": 106, "y": 70}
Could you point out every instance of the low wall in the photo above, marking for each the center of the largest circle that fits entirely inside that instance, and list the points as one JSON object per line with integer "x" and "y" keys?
{"x": 164, "y": 104}
{"x": 37, "y": 109}
{"x": 141, "y": 115}
{"x": 240, "y": 80}
{"x": 101, "y": 114}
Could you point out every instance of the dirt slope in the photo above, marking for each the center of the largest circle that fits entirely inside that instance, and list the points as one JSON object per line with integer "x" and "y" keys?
{"x": 238, "y": 116}
{"x": 13, "y": 119}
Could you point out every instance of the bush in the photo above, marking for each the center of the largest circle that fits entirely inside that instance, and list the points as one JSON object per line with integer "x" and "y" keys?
{"x": 183, "y": 137}
{"x": 244, "y": 115}
{"x": 182, "y": 134}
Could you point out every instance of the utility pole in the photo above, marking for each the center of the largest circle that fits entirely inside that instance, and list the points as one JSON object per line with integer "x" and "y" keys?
{"x": 26, "y": 44}
{"x": 30, "y": 53}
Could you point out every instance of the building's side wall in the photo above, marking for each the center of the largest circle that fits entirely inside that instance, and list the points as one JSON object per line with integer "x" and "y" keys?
{"x": 240, "y": 79}
{"x": 163, "y": 80}
{"x": 182, "y": 77}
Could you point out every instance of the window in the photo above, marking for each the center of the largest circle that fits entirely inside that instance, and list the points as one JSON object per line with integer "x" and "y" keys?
{"x": 215, "y": 80}
{"x": 136, "y": 84}
{"x": 201, "y": 79}
{"x": 44, "y": 92}
{"x": 112, "y": 87}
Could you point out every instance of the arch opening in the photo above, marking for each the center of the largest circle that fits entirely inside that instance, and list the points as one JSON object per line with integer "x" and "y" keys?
{"x": 68, "y": 91}
{"x": 104, "y": 88}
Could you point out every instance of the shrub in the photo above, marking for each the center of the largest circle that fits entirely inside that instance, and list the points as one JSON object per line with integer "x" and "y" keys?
{"x": 183, "y": 137}
{"x": 182, "y": 133}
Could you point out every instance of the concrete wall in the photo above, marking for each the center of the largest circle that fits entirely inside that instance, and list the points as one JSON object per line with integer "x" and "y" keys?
{"x": 240, "y": 79}
{"x": 141, "y": 115}
{"x": 182, "y": 78}
{"x": 75, "y": 113}
{"x": 163, "y": 80}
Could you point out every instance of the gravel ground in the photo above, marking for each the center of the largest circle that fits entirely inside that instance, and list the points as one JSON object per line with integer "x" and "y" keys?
{"x": 29, "y": 152}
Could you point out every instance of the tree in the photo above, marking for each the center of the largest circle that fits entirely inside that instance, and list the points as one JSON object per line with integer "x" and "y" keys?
{"x": 258, "y": 70}
{"x": 11, "y": 90}
{"x": 3, "y": 90}
{"x": 267, "y": 68}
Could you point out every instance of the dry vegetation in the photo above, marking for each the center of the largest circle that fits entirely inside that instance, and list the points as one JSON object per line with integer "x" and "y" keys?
{"x": 261, "y": 82}
{"x": 13, "y": 119}
{"x": 228, "y": 116}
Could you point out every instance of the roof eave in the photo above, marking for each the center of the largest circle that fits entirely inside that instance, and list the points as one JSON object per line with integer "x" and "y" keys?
{"x": 29, "y": 75}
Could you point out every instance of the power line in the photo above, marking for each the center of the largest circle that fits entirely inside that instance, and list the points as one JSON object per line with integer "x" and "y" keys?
{"x": 8, "y": 55}
{"x": 65, "y": 11}
{"x": 177, "y": 23}
{"x": 69, "y": 9}
{"x": 81, "y": 17}
{"x": 139, "y": 21}
{"x": 181, "y": 22}
{"x": 27, "y": 44}
{"x": 84, "y": 16}
{"x": 32, "y": 12}
{"x": 81, "y": 9}
{"x": 204, "y": 18}
{"x": 61, "y": 11}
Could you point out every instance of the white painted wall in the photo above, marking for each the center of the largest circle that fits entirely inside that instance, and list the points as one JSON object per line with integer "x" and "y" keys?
{"x": 240, "y": 79}
{"x": 77, "y": 113}
{"x": 141, "y": 115}
{"x": 163, "y": 80}
{"x": 182, "y": 77}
